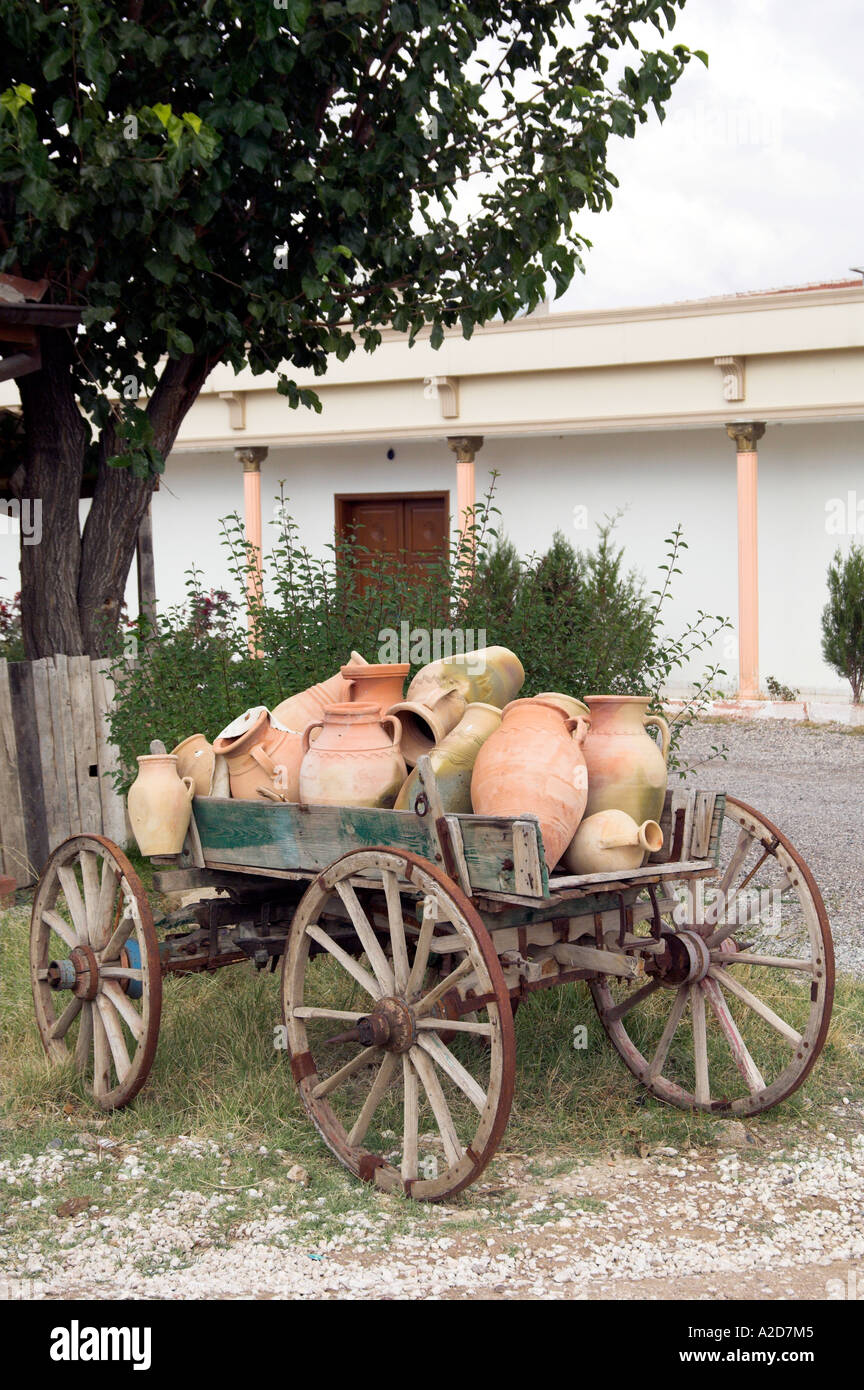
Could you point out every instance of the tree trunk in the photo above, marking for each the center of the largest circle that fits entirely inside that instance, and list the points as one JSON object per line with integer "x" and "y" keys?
{"x": 120, "y": 502}
{"x": 72, "y": 585}
{"x": 56, "y": 437}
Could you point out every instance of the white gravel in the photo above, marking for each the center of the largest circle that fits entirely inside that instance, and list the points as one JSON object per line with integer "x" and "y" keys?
{"x": 810, "y": 783}
{"x": 769, "y": 1223}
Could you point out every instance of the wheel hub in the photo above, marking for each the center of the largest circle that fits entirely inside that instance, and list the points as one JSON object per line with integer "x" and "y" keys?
{"x": 684, "y": 962}
{"x": 79, "y": 972}
{"x": 391, "y": 1025}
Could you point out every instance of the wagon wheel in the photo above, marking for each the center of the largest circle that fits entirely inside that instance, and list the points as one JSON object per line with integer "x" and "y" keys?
{"x": 395, "y": 1104}
{"x": 94, "y": 967}
{"x": 748, "y": 963}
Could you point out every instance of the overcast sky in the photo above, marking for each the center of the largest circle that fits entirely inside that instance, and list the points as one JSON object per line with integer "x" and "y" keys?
{"x": 754, "y": 181}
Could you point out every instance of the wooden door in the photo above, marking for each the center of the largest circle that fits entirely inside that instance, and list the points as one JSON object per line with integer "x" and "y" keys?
{"x": 412, "y": 525}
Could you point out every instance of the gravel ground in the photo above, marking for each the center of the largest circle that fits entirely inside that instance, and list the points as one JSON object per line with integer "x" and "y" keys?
{"x": 810, "y": 783}
{"x": 766, "y": 1223}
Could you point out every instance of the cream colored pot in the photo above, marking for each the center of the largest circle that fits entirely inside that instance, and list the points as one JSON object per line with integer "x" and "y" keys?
{"x": 453, "y": 760}
{"x": 626, "y": 769}
{"x": 439, "y": 694}
{"x": 611, "y": 841}
{"x": 160, "y": 805}
{"x": 196, "y": 759}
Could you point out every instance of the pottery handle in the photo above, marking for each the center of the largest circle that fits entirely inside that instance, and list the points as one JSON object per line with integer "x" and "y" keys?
{"x": 189, "y": 785}
{"x": 263, "y": 759}
{"x": 397, "y": 728}
{"x": 581, "y": 727}
{"x": 660, "y": 723}
{"x": 318, "y": 724}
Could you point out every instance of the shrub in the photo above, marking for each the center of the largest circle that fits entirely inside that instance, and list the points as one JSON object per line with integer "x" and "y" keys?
{"x": 843, "y": 618}
{"x": 578, "y": 621}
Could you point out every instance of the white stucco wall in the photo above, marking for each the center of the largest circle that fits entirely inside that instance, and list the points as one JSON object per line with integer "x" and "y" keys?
{"x": 656, "y": 478}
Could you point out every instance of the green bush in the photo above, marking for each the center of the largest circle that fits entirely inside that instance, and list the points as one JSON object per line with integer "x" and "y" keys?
{"x": 578, "y": 621}
{"x": 843, "y": 618}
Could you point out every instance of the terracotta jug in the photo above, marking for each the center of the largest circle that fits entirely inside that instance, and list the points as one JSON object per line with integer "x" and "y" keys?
{"x": 255, "y": 750}
{"x": 196, "y": 759}
{"x": 381, "y": 684}
{"x": 299, "y": 710}
{"x": 573, "y": 708}
{"x": 534, "y": 765}
{"x": 160, "y": 805}
{"x": 611, "y": 841}
{"x": 453, "y": 760}
{"x": 355, "y": 760}
{"x": 439, "y": 694}
{"x": 626, "y": 769}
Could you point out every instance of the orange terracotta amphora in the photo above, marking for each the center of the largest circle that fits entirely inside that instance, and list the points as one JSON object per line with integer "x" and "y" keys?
{"x": 381, "y": 684}
{"x": 626, "y": 769}
{"x": 299, "y": 710}
{"x": 260, "y": 754}
{"x": 533, "y": 765}
{"x": 355, "y": 760}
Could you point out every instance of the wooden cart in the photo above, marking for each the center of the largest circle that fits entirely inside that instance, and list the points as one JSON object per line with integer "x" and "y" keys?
{"x": 407, "y": 939}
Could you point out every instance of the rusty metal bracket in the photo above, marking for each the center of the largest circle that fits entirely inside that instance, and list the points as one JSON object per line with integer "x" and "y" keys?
{"x": 656, "y": 922}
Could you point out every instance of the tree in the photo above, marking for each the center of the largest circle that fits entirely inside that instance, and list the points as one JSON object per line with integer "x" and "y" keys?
{"x": 843, "y": 618}
{"x": 268, "y": 182}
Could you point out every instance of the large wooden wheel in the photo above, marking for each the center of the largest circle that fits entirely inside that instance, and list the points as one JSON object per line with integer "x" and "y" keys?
{"x": 734, "y": 1004}
{"x": 402, "y": 1045}
{"x": 94, "y": 967}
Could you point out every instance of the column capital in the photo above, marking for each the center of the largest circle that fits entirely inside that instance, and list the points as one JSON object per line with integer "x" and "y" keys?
{"x": 465, "y": 446}
{"x": 251, "y": 457}
{"x": 746, "y": 435}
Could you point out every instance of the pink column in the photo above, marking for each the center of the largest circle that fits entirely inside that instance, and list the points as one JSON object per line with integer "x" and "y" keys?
{"x": 465, "y": 447}
{"x": 251, "y": 459}
{"x": 746, "y": 437}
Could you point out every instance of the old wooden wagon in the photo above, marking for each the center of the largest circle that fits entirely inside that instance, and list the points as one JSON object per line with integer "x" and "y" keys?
{"x": 407, "y": 939}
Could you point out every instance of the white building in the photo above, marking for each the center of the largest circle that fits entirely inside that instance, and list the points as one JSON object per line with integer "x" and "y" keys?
{"x": 582, "y": 414}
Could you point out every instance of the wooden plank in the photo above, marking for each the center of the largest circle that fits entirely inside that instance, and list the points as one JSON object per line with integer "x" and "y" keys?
{"x": 703, "y": 819}
{"x": 29, "y": 762}
{"x": 56, "y": 818}
{"x": 64, "y": 810}
{"x": 114, "y": 822}
{"x": 65, "y": 742}
{"x": 458, "y": 849}
{"x": 13, "y": 837}
{"x": 528, "y": 863}
{"x": 696, "y": 868}
{"x": 683, "y": 805}
{"x": 84, "y": 736}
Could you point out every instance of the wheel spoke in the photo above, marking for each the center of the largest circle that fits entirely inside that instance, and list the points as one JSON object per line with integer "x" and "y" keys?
{"x": 64, "y": 1022}
{"x": 63, "y": 930}
{"x": 455, "y": 1025}
{"x": 90, "y": 878}
{"x": 371, "y": 944}
{"x": 107, "y": 900}
{"x": 381, "y": 1083}
{"x": 700, "y": 1045}
{"x": 84, "y": 1041}
{"x": 429, "y": 1000}
{"x": 117, "y": 1043}
{"x": 363, "y": 1059}
{"x": 424, "y": 943}
{"x": 758, "y": 1006}
{"x": 441, "y": 1054}
{"x": 676, "y": 1013}
{"x": 619, "y": 1010}
{"x": 341, "y": 1015}
{"x": 774, "y": 962}
{"x": 125, "y": 1008}
{"x": 101, "y": 1055}
{"x": 440, "y": 1109}
{"x": 72, "y": 894}
{"x": 401, "y": 968}
{"x": 411, "y": 1120}
{"x": 119, "y": 937}
{"x": 368, "y": 982}
{"x": 736, "y": 860}
{"x": 740, "y": 1052}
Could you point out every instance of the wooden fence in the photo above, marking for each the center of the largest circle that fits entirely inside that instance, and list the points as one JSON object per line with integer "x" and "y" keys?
{"x": 55, "y": 760}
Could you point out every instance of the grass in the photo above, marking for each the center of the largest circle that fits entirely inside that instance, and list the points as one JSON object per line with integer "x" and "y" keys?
{"x": 218, "y": 1077}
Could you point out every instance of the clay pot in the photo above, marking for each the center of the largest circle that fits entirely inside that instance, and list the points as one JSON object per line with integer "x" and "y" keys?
{"x": 573, "y": 708}
{"x": 299, "y": 710}
{"x": 382, "y": 685}
{"x": 196, "y": 759}
{"x": 355, "y": 760}
{"x": 439, "y": 694}
{"x": 626, "y": 769}
{"x": 453, "y": 760}
{"x": 255, "y": 749}
{"x": 534, "y": 765}
{"x": 160, "y": 805}
{"x": 611, "y": 841}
